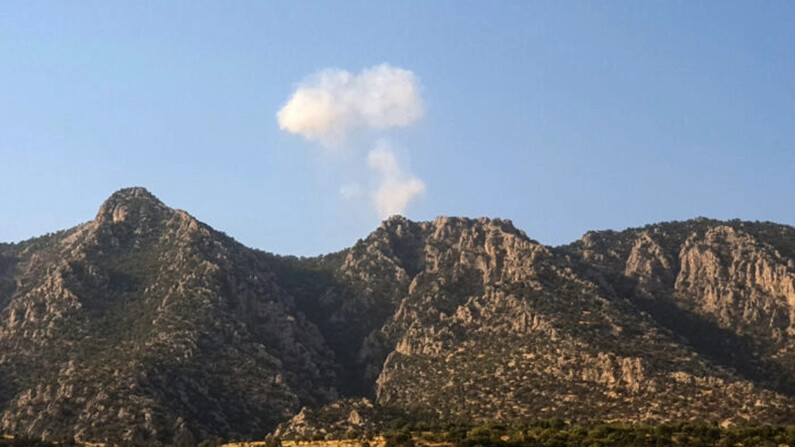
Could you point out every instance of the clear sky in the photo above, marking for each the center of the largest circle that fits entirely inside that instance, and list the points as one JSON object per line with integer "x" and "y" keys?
{"x": 562, "y": 116}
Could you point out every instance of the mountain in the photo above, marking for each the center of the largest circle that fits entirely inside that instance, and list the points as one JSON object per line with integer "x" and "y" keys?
{"x": 146, "y": 325}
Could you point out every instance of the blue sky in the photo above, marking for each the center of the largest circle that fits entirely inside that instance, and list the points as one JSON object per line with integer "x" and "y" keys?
{"x": 562, "y": 116}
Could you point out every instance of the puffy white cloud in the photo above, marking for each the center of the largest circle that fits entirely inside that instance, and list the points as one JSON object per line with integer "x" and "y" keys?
{"x": 331, "y": 104}
{"x": 395, "y": 188}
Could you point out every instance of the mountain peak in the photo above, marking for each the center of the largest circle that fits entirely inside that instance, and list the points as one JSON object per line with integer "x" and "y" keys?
{"x": 467, "y": 319}
{"x": 132, "y": 193}
{"x": 124, "y": 203}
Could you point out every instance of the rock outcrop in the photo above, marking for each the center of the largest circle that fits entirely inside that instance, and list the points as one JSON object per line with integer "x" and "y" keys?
{"x": 145, "y": 325}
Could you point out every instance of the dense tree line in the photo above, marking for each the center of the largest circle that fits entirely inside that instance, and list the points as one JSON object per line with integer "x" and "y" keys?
{"x": 557, "y": 433}
{"x": 26, "y": 442}
{"x": 544, "y": 433}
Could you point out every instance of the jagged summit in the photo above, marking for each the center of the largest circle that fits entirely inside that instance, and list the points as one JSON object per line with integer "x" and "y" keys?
{"x": 133, "y": 194}
{"x": 147, "y": 326}
{"x": 444, "y": 226}
{"x": 130, "y": 203}
{"x": 441, "y": 221}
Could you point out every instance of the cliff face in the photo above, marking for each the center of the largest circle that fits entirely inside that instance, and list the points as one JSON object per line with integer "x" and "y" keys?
{"x": 727, "y": 288}
{"x": 146, "y": 325}
{"x": 497, "y": 326}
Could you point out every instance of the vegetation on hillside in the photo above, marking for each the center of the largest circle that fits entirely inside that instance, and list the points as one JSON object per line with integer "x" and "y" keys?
{"x": 145, "y": 325}
{"x": 557, "y": 433}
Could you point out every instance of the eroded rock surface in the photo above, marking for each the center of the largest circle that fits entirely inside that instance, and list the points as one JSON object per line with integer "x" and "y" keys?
{"x": 145, "y": 325}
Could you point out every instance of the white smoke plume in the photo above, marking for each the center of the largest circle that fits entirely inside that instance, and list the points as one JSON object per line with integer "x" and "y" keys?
{"x": 395, "y": 188}
{"x": 351, "y": 191}
{"x": 333, "y": 103}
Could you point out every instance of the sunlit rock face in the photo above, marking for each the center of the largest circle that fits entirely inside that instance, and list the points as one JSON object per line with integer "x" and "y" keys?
{"x": 496, "y": 325}
{"x": 145, "y": 325}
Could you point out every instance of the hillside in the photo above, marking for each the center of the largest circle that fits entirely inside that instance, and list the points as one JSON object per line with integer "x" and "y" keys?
{"x": 146, "y": 325}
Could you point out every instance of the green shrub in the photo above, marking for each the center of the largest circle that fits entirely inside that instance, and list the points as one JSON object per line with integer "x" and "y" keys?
{"x": 399, "y": 439}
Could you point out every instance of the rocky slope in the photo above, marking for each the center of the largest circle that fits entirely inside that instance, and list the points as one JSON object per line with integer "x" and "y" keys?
{"x": 726, "y": 288}
{"x": 497, "y": 326}
{"x": 146, "y": 325}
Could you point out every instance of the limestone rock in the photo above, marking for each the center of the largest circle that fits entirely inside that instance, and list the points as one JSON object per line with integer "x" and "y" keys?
{"x": 145, "y": 325}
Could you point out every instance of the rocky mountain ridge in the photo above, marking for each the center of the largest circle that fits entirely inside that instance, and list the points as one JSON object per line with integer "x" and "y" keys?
{"x": 145, "y": 325}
